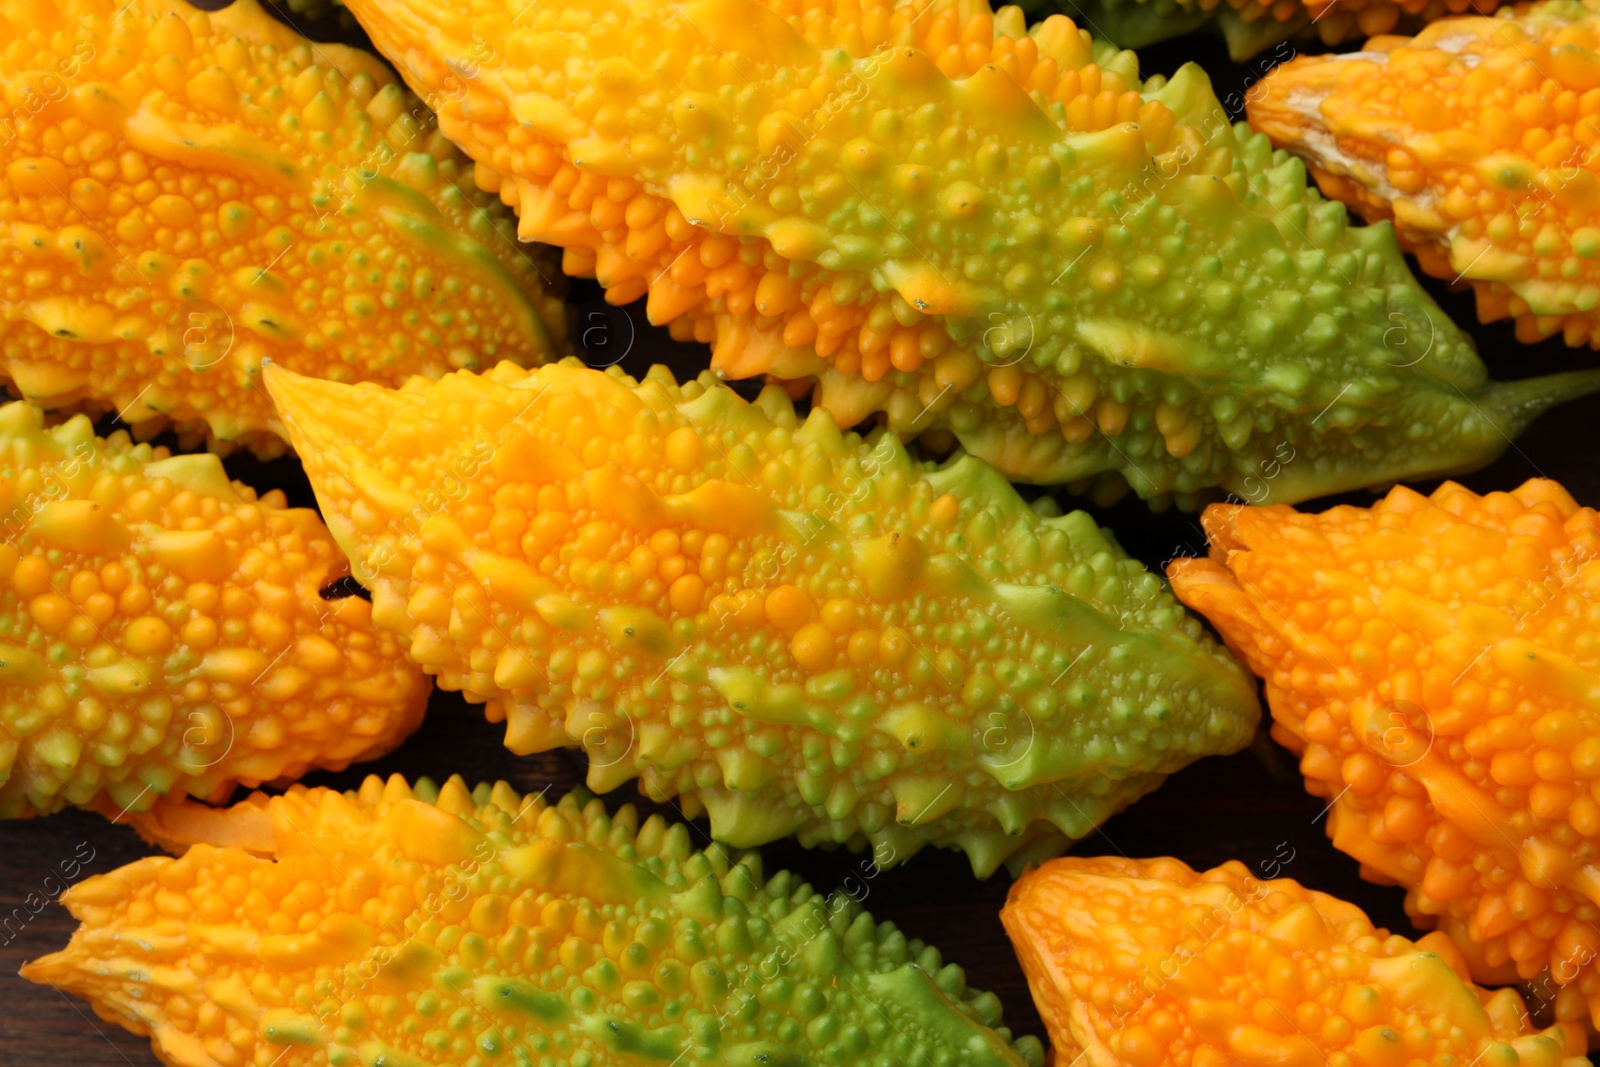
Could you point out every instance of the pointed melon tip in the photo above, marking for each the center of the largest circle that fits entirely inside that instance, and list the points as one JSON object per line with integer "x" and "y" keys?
{"x": 1511, "y": 406}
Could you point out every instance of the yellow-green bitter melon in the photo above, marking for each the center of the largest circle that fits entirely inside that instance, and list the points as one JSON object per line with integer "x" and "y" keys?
{"x": 971, "y": 226}
{"x": 795, "y": 629}
{"x": 414, "y": 926}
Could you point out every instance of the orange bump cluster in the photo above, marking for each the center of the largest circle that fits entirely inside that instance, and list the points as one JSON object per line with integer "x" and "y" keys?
{"x": 799, "y": 630}
{"x": 1478, "y": 138}
{"x": 184, "y": 194}
{"x": 1432, "y": 659}
{"x": 413, "y": 926}
{"x": 161, "y": 630}
{"x": 1150, "y": 964}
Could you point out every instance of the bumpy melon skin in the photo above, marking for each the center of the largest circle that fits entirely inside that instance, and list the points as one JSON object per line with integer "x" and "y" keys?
{"x": 418, "y": 926}
{"x": 797, "y": 630}
{"x": 968, "y": 225}
{"x": 1431, "y": 659}
{"x": 1476, "y": 138}
{"x": 1152, "y": 964}
{"x": 183, "y": 195}
{"x": 162, "y": 632}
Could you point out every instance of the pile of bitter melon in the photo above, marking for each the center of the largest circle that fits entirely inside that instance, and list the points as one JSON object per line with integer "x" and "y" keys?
{"x": 945, "y": 251}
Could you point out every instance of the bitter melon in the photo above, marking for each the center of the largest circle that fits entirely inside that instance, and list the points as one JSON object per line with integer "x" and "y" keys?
{"x": 1432, "y": 661}
{"x": 184, "y": 194}
{"x": 1147, "y": 963}
{"x": 798, "y": 630}
{"x": 974, "y": 227}
{"x": 161, "y": 629}
{"x": 1477, "y": 138}
{"x": 412, "y": 926}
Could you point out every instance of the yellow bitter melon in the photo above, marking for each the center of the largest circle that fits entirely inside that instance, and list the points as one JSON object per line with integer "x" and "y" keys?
{"x": 184, "y": 194}
{"x": 798, "y": 630}
{"x": 162, "y": 629}
{"x": 969, "y": 226}
{"x": 412, "y": 926}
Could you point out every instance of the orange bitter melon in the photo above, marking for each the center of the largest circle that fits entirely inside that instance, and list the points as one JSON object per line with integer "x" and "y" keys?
{"x": 972, "y": 227}
{"x": 796, "y": 629}
{"x": 1148, "y": 963}
{"x": 412, "y": 926}
{"x": 1477, "y": 138}
{"x": 184, "y": 194}
{"x": 1431, "y": 659}
{"x": 162, "y": 629}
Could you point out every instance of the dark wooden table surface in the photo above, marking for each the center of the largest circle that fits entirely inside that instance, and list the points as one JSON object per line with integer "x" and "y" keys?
{"x": 1248, "y": 807}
